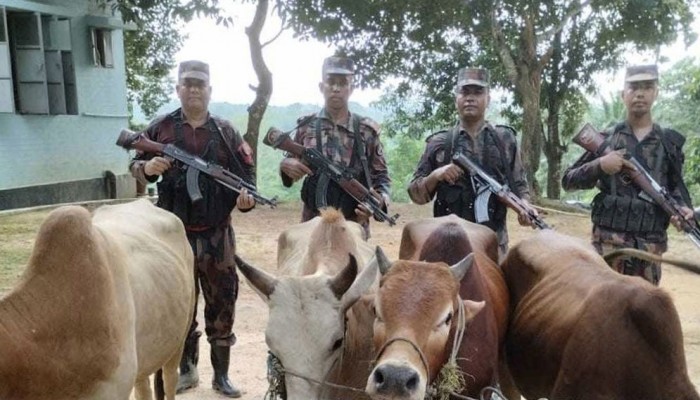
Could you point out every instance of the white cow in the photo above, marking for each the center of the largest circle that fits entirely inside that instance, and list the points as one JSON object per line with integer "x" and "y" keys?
{"x": 105, "y": 301}
{"x": 306, "y": 329}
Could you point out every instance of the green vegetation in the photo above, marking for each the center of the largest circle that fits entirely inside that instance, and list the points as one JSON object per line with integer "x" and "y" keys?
{"x": 17, "y": 232}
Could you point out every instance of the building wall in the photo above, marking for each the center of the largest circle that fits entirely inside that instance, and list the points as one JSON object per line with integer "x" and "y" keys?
{"x": 54, "y": 153}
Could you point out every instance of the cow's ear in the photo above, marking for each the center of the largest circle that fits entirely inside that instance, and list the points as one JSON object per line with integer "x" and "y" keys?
{"x": 262, "y": 282}
{"x": 460, "y": 269}
{"x": 382, "y": 260}
{"x": 471, "y": 308}
{"x": 364, "y": 281}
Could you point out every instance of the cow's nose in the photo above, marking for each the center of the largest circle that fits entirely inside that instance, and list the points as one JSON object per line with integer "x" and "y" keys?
{"x": 395, "y": 380}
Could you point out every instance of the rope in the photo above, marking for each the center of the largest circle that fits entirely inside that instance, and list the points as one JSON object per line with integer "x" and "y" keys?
{"x": 415, "y": 347}
{"x": 554, "y": 210}
{"x": 275, "y": 378}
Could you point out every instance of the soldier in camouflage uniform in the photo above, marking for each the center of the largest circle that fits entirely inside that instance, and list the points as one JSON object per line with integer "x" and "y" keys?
{"x": 207, "y": 222}
{"x": 335, "y": 131}
{"x": 494, "y": 148}
{"x": 623, "y": 216}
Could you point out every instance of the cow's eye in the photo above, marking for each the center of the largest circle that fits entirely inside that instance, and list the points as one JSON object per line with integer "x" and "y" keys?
{"x": 337, "y": 344}
{"x": 448, "y": 320}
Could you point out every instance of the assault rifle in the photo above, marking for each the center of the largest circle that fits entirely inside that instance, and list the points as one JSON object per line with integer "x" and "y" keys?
{"x": 195, "y": 165}
{"x": 592, "y": 140}
{"x": 329, "y": 171}
{"x": 504, "y": 194}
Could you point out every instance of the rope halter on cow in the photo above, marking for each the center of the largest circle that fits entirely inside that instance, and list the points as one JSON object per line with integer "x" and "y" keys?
{"x": 275, "y": 378}
{"x": 450, "y": 380}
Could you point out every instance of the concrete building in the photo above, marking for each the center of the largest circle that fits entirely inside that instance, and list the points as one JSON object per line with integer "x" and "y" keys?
{"x": 62, "y": 103}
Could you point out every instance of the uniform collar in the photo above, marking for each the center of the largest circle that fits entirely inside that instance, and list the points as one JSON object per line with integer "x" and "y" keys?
{"x": 486, "y": 126}
{"x": 184, "y": 117}
{"x": 323, "y": 114}
{"x": 655, "y": 130}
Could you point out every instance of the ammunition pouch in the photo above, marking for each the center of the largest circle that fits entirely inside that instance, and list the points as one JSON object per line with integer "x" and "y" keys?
{"x": 628, "y": 214}
{"x": 459, "y": 200}
{"x": 214, "y": 208}
{"x": 335, "y": 197}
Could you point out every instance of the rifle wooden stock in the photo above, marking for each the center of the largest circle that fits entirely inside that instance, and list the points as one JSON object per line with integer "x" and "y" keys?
{"x": 320, "y": 164}
{"x": 133, "y": 140}
{"x": 591, "y": 140}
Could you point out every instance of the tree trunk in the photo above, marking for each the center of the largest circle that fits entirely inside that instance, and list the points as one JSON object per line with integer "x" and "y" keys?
{"x": 263, "y": 91}
{"x": 531, "y": 144}
{"x": 553, "y": 151}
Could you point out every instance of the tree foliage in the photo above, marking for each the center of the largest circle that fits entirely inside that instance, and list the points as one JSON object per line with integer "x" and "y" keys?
{"x": 150, "y": 49}
{"x": 523, "y": 42}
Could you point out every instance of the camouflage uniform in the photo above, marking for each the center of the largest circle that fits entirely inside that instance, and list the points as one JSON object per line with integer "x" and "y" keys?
{"x": 623, "y": 216}
{"x": 495, "y": 149}
{"x": 207, "y": 223}
{"x": 338, "y": 145}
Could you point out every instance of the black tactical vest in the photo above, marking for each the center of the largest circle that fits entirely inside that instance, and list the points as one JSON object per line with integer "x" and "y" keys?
{"x": 217, "y": 203}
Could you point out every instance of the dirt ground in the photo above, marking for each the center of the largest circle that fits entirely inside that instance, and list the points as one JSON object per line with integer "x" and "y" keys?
{"x": 257, "y": 233}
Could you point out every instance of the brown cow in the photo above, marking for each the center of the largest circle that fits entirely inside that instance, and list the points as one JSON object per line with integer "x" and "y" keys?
{"x": 417, "y": 304}
{"x": 579, "y": 330}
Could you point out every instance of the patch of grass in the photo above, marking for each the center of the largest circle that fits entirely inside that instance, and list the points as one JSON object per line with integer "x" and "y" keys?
{"x": 17, "y": 234}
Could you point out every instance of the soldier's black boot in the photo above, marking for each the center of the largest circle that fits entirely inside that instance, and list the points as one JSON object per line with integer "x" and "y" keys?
{"x": 189, "y": 377}
{"x": 220, "y": 357}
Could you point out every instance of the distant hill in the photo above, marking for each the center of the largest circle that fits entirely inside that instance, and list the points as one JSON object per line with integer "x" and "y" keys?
{"x": 283, "y": 117}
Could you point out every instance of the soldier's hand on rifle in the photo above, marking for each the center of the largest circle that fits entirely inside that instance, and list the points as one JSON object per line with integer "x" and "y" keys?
{"x": 156, "y": 166}
{"x": 294, "y": 168}
{"x": 449, "y": 173}
{"x": 363, "y": 214}
{"x": 245, "y": 201}
{"x": 614, "y": 161}
{"x": 688, "y": 215}
{"x": 524, "y": 217}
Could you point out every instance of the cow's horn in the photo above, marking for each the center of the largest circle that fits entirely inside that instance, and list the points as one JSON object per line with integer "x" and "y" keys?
{"x": 261, "y": 281}
{"x": 382, "y": 261}
{"x": 342, "y": 281}
{"x": 460, "y": 269}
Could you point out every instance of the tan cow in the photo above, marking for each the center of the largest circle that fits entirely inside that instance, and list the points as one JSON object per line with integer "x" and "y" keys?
{"x": 579, "y": 330}
{"x": 418, "y": 305}
{"x": 324, "y": 275}
{"x": 104, "y": 302}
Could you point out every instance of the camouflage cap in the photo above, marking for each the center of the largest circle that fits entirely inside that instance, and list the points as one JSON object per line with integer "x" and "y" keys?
{"x": 472, "y": 76}
{"x": 193, "y": 69}
{"x": 637, "y": 73}
{"x": 338, "y": 65}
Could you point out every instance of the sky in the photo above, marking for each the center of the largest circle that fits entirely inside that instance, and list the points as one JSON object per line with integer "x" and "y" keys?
{"x": 296, "y": 64}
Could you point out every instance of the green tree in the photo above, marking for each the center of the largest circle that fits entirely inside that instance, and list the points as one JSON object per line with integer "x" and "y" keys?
{"x": 424, "y": 43}
{"x": 150, "y": 48}
{"x": 677, "y": 107}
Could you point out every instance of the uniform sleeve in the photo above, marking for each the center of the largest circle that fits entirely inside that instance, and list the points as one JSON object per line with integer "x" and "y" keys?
{"x": 518, "y": 184}
{"x": 679, "y": 191}
{"x": 584, "y": 174}
{"x": 137, "y": 164}
{"x": 244, "y": 154}
{"x": 417, "y": 189}
{"x": 298, "y": 138}
{"x": 379, "y": 172}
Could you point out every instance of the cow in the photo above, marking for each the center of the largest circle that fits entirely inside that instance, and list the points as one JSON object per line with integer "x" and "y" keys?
{"x": 326, "y": 266}
{"x": 580, "y": 330}
{"x": 418, "y": 303}
{"x": 105, "y": 300}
